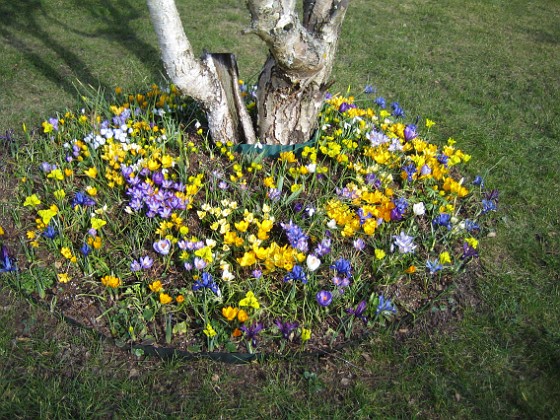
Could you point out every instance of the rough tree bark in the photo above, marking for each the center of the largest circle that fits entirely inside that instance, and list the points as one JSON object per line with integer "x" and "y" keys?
{"x": 293, "y": 81}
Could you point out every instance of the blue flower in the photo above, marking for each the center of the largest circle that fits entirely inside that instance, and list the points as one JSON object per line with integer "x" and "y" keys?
{"x": 397, "y": 110}
{"x": 208, "y": 283}
{"x": 342, "y": 267}
{"x": 410, "y": 170}
{"x": 296, "y": 274}
{"x": 85, "y": 250}
{"x": 49, "y": 232}
{"x": 434, "y": 266}
{"x": 380, "y": 101}
{"x": 81, "y": 199}
{"x": 385, "y": 305}
{"x": 478, "y": 181}
{"x": 369, "y": 89}
{"x": 442, "y": 219}
{"x": 401, "y": 204}
{"x": 296, "y": 237}
{"x": 6, "y": 263}
{"x": 443, "y": 159}
{"x": 471, "y": 226}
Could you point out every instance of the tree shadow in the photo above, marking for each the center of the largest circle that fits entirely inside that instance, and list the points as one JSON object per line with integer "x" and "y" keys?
{"x": 115, "y": 27}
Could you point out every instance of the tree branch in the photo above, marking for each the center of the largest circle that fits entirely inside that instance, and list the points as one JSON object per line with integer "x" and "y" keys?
{"x": 295, "y": 49}
{"x": 188, "y": 73}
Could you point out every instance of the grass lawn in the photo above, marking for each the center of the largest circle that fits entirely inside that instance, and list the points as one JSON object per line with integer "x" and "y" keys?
{"x": 485, "y": 71}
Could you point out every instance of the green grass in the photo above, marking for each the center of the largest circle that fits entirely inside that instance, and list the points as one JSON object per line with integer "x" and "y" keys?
{"x": 486, "y": 71}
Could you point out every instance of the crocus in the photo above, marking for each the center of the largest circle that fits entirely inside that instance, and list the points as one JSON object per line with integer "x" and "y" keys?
{"x": 162, "y": 246}
{"x": 404, "y": 242}
{"x": 313, "y": 262}
{"x": 419, "y": 209}
{"x": 410, "y": 132}
{"x": 324, "y": 298}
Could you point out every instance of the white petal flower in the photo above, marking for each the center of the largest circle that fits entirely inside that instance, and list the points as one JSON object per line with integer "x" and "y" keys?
{"x": 313, "y": 262}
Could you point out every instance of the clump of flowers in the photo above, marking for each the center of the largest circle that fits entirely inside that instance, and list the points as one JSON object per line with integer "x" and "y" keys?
{"x": 134, "y": 204}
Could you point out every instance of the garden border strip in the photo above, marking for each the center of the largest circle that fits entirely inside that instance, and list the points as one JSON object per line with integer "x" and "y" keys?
{"x": 167, "y": 353}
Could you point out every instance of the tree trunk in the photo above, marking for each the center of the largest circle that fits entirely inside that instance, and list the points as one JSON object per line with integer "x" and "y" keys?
{"x": 292, "y": 84}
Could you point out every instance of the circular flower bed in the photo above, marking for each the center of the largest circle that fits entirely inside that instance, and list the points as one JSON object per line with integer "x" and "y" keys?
{"x": 140, "y": 226}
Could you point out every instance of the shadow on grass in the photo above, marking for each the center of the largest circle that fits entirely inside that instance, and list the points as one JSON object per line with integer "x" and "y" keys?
{"x": 112, "y": 24}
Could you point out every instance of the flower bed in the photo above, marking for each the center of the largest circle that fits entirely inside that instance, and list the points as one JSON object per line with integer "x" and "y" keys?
{"x": 140, "y": 226}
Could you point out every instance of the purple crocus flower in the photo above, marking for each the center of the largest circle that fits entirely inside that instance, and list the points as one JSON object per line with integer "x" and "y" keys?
{"x": 324, "y": 298}
{"x": 385, "y": 305}
{"x": 252, "y": 332}
{"x": 425, "y": 170}
{"x": 157, "y": 178}
{"x": 359, "y": 244}
{"x": 468, "y": 252}
{"x": 274, "y": 194}
{"x": 162, "y": 246}
{"x": 296, "y": 237}
{"x": 135, "y": 266}
{"x": 47, "y": 167}
{"x": 410, "y": 171}
{"x": 401, "y": 205}
{"x": 341, "y": 282}
{"x": 359, "y": 311}
{"x": 323, "y": 247}
{"x": 344, "y": 106}
{"x": 373, "y": 181}
{"x": 404, "y": 242}
{"x": 410, "y": 132}
{"x": 286, "y": 328}
{"x": 146, "y": 262}
{"x": 380, "y": 101}
{"x": 199, "y": 263}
